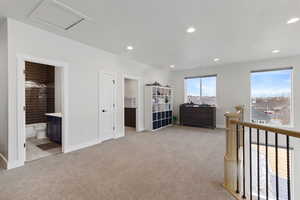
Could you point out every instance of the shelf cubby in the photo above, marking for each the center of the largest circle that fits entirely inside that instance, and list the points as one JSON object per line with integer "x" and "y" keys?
{"x": 158, "y": 107}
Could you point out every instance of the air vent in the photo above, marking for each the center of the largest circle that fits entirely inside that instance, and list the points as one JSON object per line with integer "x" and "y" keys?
{"x": 55, "y": 13}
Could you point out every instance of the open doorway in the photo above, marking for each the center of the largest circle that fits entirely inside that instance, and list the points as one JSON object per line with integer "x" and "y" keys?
{"x": 130, "y": 105}
{"x": 43, "y": 110}
{"x": 33, "y": 92}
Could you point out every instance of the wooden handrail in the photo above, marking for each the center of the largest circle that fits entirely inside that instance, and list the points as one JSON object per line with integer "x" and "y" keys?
{"x": 268, "y": 128}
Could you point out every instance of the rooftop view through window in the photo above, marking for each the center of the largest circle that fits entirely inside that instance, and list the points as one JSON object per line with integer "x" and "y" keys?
{"x": 271, "y": 93}
{"x": 201, "y": 90}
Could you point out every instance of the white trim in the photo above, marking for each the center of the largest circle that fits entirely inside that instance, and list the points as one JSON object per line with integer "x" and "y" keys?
{"x": 221, "y": 126}
{"x": 21, "y": 59}
{"x": 72, "y": 148}
{"x": 185, "y": 100}
{"x": 139, "y": 99}
{"x": 77, "y": 147}
{"x": 201, "y": 77}
{"x": 32, "y": 16}
{"x": 292, "y": 107}
{"x": 117, "y": 136}
{"x": 14, "y": 164}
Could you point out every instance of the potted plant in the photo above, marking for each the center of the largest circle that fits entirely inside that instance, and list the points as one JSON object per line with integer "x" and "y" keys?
{"x": 175, "y": 120}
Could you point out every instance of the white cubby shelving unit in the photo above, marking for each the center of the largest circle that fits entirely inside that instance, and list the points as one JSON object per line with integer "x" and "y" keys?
{"x": 158, "y": 107}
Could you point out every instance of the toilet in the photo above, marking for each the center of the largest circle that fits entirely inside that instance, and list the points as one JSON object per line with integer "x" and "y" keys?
{"x": 40, "y": 130}
{"x": 30, "y": 131}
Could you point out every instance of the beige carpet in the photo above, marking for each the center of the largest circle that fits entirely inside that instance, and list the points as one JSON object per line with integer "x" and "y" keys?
{"x": 174, "y": 164}
{"x": 129, "y": 131}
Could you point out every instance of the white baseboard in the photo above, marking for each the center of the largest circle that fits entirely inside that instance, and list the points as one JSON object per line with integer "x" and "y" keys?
{"x": 221, "y": 126}
{"x": 3, "y": 162}
{"x": 119, "y": 136}
{"x": 14, "y": 164}
{"x": 71, "y": 148}
{"x": 140, "y": 130}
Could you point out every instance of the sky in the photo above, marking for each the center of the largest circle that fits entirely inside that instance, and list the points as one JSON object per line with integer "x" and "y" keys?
{"x": 263, "y": 84}
{"x": 271, "y": 84}
{"x": 208, "y": 86}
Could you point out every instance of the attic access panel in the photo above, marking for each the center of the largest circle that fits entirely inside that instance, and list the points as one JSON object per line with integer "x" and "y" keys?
{"x": 55, "y": 13}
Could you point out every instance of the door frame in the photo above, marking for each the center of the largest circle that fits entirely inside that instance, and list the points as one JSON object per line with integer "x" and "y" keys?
{"x": 114, "y": 75}
{"x": 139, "y": 99}
{"x": 21, "y": 101}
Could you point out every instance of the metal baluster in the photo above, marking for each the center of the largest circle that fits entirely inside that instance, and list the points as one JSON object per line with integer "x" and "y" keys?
{"x": 288, "y": 167}
{"x": 258, "y": 172}
{"x": 250, "y": 160}
{"x": 237, "y": 160}
{"x": 267, "y": 166}
{"x": 244, "y": 175}
{"x": 276, "y": 165}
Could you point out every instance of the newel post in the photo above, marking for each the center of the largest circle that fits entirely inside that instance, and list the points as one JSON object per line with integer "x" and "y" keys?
{"x": 230, "y": 160}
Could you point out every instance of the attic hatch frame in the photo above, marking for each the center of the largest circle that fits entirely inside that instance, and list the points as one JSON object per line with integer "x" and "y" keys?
{"x": 33, "y": 15}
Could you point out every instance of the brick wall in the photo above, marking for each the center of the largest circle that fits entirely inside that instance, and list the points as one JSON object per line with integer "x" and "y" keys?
{"x": 39, "y": 92}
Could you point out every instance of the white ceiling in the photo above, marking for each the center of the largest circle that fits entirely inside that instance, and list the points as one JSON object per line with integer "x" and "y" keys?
{"x": 232, "y": 30}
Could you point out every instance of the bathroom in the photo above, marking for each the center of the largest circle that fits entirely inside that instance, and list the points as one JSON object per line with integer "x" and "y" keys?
{"x": 43, "y": 95}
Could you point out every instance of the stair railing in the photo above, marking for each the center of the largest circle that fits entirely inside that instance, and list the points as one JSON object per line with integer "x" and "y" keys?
{"x": 257, "y": 163}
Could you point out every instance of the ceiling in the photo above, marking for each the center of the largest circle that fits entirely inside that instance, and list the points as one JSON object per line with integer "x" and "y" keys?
{"x": 232, "y": 30}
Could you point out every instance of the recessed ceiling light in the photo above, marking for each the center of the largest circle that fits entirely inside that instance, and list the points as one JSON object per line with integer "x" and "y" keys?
{"x": 293, "y": 20}
{"x": 172, "y": 66}
{"x": 190, "y": 30}
{"x": 217, "y": 59}
{"x": 275, "y": 51}
{"x": 129, "y": 48}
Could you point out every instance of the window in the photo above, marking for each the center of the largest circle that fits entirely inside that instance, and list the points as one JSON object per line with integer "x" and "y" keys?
{"x": 201, "y": 90}
{"x": 271, "y": 97}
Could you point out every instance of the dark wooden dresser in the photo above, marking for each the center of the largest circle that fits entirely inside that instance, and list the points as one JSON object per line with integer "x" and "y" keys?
{"x": 198, "y": 116}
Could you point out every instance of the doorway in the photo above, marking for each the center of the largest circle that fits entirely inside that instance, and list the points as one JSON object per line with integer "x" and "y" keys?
{"x": 42, "y": 110}
{"x": 42, "y": 102}
{"x": 131, "y": 104}
{"x": 107, "y": 102}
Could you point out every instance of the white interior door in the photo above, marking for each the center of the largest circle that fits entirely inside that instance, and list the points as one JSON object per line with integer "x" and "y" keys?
{"x": 107, "y": 108}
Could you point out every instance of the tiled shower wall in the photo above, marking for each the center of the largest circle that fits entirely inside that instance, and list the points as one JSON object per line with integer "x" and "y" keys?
{"x": 40, "y": 92}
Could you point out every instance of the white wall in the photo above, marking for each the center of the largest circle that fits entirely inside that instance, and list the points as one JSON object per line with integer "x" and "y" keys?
{"x": 58, "y": 89}
{"x": 84, "y": 64}
{"x": 130, "y": 88}
{"x": 130, "y": 93}
{"x": 3, "y": 88}
{"x": 233, "y": 84}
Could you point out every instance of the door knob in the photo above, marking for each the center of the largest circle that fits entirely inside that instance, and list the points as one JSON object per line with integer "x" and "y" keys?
{"x": 104, "y": 110}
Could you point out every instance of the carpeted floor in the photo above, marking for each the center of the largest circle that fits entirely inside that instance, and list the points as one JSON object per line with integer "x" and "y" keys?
{"x": 174, "y": 164}
{"x": 129, "y": 131}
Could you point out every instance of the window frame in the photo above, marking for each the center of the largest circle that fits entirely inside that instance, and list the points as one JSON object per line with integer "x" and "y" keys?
{"x": 204, "y": 76}
{"x": 292, "y": 124}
